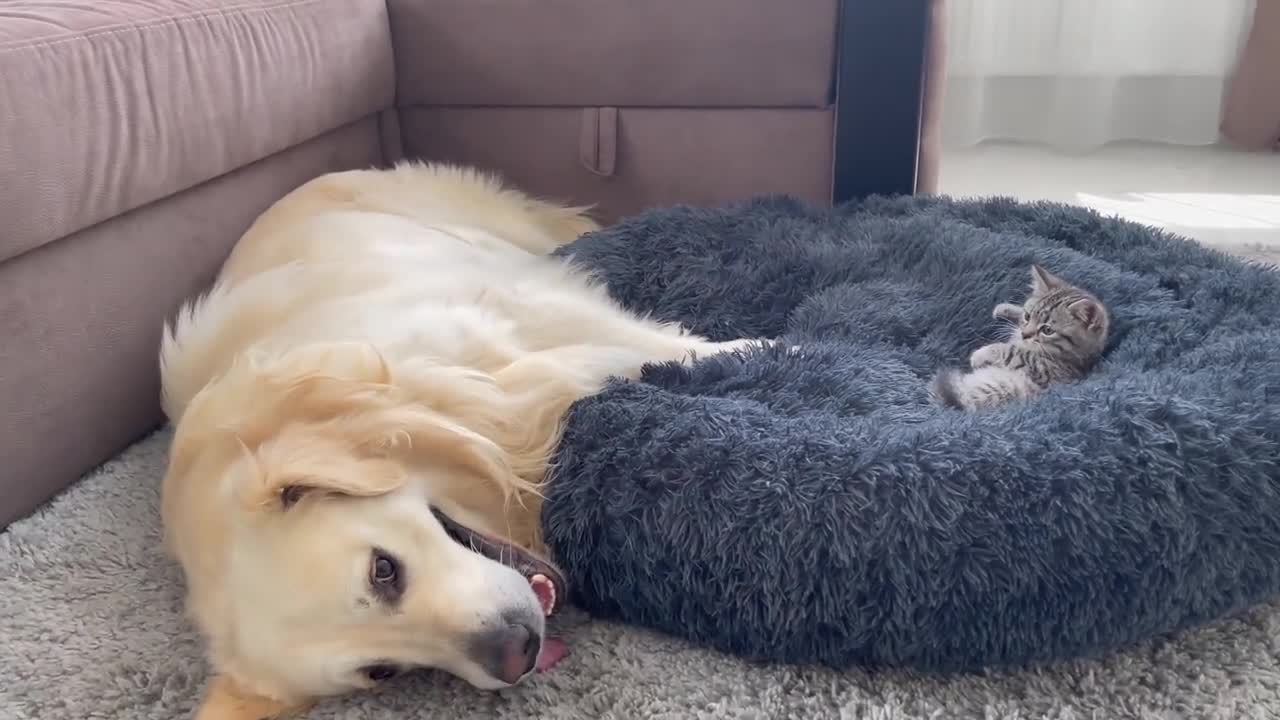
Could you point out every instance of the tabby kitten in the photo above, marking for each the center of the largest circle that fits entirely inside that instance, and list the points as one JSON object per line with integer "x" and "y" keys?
{"x": 1056, "y": 336}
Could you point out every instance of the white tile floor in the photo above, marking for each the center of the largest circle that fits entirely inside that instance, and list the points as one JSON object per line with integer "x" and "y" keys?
{"x": 1218, "y": 195}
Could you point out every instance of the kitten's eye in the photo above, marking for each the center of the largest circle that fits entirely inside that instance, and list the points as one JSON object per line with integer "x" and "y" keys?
{"x": 378, "y": 673}
{"x": 1046, "y": 330}
{"x": 384, "y": 570}
{"x": 1026, "y": 317}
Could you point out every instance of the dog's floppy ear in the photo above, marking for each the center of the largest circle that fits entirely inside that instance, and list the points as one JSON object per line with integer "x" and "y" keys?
{"x": 309, "y": 458}
{"x": 337, "y": 418}
{"x": 225, "y": 700}
{"x": 314, "y": 382}
{"x": 324, "y": 417}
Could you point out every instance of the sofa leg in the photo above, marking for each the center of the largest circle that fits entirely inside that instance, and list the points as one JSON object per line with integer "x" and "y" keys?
{"x": 880, "y": 67}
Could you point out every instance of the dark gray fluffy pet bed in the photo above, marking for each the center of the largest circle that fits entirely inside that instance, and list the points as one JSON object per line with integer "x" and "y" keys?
{"x": 818, "y": 508}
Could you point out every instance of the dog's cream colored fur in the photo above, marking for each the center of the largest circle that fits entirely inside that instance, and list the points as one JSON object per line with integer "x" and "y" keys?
{"x": 385, "y": 341}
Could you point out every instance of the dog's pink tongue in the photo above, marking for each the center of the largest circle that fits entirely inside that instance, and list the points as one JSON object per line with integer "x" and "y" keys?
{"x": 553, "y": 651}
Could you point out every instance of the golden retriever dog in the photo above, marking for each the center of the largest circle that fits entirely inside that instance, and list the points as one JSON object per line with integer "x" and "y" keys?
{"x": 365, "y": 405}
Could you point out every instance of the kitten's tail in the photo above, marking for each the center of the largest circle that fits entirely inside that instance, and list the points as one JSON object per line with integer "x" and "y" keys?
{"x": 945, "y": 390}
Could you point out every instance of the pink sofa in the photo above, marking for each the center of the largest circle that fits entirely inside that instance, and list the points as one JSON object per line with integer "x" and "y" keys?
{"x": 139, "y": 139}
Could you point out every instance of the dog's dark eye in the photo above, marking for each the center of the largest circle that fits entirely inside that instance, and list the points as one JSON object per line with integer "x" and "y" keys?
{"x": 386, "y": 577}
{"x": 1046, "y": 330}
{"x": 384, "y": 570}
{"x": 378, "y": 673}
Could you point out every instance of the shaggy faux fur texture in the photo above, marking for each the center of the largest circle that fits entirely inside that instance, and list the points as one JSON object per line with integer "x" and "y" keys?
{"x": 813, "y": 506}
{"x": 91, "y": 627}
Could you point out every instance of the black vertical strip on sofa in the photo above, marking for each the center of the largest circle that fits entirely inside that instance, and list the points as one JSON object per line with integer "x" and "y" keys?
{"x": 879, "y": 83}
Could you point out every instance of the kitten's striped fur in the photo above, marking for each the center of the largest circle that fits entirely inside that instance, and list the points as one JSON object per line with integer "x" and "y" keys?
{"x": 1055, "y": 336}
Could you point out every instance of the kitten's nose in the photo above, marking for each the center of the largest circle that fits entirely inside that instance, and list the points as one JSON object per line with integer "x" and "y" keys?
{"x": 1028, "y": 333}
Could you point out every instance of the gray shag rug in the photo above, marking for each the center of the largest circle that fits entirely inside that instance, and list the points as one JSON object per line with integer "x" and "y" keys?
{"x": 91, "y": 627}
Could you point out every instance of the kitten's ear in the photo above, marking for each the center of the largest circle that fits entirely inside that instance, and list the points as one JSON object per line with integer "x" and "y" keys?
{"x": 1042, "y": 280}
{"x": 1086, "y": 311}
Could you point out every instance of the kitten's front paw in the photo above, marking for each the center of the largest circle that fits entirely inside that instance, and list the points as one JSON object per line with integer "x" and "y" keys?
{"x": 984, "y": 356}
{"x": 1007, "y": 311}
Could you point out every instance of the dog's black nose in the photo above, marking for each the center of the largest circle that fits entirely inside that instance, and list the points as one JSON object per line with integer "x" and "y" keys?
{"x": 509, "y": 652}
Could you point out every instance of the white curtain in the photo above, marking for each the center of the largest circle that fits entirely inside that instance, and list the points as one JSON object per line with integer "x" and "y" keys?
{"x": 1076, "y": 74}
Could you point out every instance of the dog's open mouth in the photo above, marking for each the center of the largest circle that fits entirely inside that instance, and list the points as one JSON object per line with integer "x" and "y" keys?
{"x": 545, "y": 579}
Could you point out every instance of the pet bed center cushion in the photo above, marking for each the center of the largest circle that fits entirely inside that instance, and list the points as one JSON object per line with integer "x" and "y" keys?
{"x": 812, "y": 505}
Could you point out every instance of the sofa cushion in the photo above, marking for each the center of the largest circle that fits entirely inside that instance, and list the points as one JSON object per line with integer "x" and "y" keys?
{"x": 107, "y": 106}
{"x": 691, "y": 53}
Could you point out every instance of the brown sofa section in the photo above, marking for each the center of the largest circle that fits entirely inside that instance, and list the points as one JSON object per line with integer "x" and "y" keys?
{"x": 139, "y": 139}
{"x": 929, "y": 153}
{"x": 626, "y": 106}
{"x": 623, "y": 105}
{"x": 81, "y": 317}
{"x": 655, "y": 53}
{"x": 623, "y": 160}
{"x": 118, "y": 104}
{"x": 1251, "y": 108}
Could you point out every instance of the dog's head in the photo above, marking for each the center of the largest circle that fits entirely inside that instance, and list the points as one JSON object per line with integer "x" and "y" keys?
{"x": 339, "y": 524}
